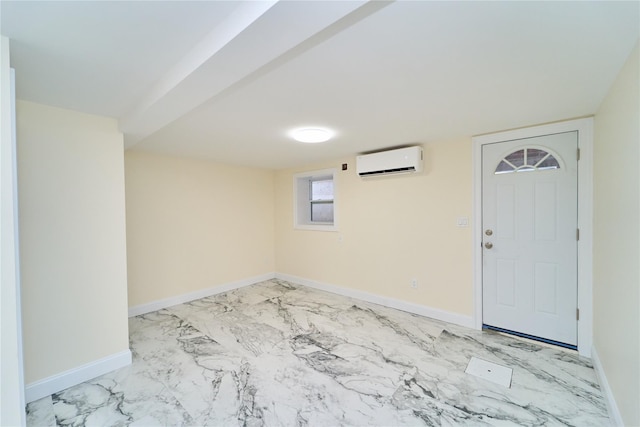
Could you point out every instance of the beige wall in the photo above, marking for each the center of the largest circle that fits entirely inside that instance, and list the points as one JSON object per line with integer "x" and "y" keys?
{"x": 72, "y": 239}
{"x": 616, "y": 286}
{"x": 195, "y": 224}
{"x": 391, "y": 229}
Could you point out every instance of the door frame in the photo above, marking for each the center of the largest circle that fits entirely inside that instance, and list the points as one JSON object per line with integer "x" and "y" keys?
{"x": 584, "y": 127}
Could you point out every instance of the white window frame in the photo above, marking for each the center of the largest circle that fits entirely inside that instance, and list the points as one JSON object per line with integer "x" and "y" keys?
{"x": 302, "y": 200}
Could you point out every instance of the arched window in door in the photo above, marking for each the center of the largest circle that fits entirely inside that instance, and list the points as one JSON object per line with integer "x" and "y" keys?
{"x": 527, "y": 160}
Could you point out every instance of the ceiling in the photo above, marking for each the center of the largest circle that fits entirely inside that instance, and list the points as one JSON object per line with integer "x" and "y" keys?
{"x": 228, "y": 80}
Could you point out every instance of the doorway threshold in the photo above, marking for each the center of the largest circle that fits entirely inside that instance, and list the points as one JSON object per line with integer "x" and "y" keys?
{"x": 530, "y": 337}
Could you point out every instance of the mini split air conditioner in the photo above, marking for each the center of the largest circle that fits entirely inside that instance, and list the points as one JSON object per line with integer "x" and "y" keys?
{"x": 403, "y": 160}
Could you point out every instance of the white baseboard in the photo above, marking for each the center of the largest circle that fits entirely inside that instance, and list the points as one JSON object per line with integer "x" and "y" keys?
{"x": 434, "y": 313}
{"x": 612, "y": 407}
{"x": 422, "y": 310}
{"x": 66, "y": 379}
{"x": 203, "y": 293}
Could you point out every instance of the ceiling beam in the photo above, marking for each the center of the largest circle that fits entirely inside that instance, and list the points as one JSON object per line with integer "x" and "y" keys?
{"x": 258, "y": 36}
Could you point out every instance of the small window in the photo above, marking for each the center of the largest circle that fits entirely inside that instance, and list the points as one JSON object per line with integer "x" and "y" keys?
{"x": 314, "y": 201}
{"x": 527, "y": 160}
{"x": 321, "y": 200}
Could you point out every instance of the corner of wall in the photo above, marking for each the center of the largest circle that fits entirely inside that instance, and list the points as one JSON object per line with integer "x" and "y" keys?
{"x": 612, "y": 407}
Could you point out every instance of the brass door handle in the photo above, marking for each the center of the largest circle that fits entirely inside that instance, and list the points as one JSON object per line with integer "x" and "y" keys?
{"x": 488, "y": 245}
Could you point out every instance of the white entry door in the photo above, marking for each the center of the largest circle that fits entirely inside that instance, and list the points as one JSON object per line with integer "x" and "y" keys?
{"x": 529, "y": 226}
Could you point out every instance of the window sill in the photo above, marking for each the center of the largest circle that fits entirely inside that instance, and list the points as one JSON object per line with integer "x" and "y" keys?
{"x": 316, "y": 227}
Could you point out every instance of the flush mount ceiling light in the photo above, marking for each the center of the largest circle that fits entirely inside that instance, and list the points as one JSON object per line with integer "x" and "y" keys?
{"x": 311, "y": 135}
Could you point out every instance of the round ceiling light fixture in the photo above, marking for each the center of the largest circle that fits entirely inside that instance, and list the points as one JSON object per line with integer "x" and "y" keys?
{"x": 312, "y": 135}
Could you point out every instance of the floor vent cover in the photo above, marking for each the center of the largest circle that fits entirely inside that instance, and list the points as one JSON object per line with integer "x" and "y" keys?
{"x": 490, "y": 371}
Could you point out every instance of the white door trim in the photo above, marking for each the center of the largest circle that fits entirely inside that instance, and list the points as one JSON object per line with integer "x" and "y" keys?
{"x": 585, "y": 213}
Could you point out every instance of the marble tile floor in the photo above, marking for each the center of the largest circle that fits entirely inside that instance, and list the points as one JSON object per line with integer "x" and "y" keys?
{"x": 277, "y": 354}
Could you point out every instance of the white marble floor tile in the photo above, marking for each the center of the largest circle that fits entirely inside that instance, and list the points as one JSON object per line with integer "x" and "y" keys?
{"x": 277, "y": 354}
{"x": 40, "y": 413}
{"x": 128, "y": 396}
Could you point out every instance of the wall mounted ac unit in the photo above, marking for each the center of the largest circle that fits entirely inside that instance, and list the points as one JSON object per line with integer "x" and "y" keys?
{"x": 402, "y": 160}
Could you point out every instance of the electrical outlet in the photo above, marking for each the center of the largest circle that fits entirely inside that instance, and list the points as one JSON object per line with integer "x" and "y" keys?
{"x": 414, "y": 283}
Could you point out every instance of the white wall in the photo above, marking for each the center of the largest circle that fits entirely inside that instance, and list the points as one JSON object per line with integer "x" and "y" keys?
{"x": 11, "y": 375}
{"x": 616, "y": 286}
{"x": 391, "y": 230}
{"x": 195, "y": 225}
{"x": 72, "y": 239}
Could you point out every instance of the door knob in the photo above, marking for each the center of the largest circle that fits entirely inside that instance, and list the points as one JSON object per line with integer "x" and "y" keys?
{"x": 488, "y": 245}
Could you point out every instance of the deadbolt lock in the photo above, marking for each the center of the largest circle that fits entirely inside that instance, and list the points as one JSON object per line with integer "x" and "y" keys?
{"x": 488, "y": 232}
